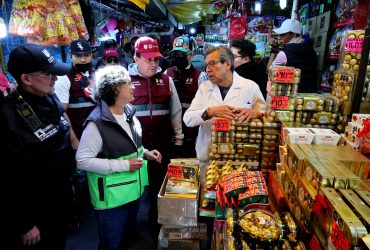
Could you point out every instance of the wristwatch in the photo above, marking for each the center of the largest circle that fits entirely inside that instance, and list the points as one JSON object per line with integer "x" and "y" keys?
{"x": 205, "y": 115}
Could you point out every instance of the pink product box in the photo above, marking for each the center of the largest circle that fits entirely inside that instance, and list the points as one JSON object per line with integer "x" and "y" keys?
{"x": 360, "y": 118}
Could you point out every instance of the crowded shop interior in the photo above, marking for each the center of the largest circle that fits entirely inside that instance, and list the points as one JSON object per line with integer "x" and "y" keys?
{"x": 185, "y": 125}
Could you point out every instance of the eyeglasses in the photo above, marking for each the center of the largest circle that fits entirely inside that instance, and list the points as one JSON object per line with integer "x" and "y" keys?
{"x": 112, "y": 60}
{"x": 48, "y": 75}
{"x": 236, "y": 56}
{"x": 211, "y": 64}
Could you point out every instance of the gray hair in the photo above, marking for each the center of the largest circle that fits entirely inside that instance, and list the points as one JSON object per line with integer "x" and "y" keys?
{"x": 107, "y": 80}
{"x": 225, "y": 54}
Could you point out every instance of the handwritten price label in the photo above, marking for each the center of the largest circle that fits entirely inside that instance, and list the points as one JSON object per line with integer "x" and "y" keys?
{"x": 353, "y": 45}
{"x": 174, "y": 171}
{"x": 338, "y": 238}
{"x": 221, "y": 124}
{"x": 285, "y": 75}
{"x": 279, "y": 102}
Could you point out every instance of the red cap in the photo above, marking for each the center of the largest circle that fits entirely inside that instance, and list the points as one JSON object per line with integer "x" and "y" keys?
{"x": 110, "y": 52}
{"x": 147, "y": 47}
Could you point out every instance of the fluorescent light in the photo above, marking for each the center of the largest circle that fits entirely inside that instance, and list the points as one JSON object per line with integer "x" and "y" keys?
{"x": 2, "y": 28}
{"x": 192, "y": 30}
{"x": 282, "y": 4}
{"x": 257, "y": 7}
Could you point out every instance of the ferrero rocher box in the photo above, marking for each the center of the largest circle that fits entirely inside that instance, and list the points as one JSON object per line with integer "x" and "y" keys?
{"x": 316, "y": 174}
{"x": 364, "y": 194}
{"x": 295, "y": 159}
{"x": 361, "y": 209}
{"x": 337, "y": 213}
{"x": 177, "y": 210}
{"x": 186, "y": 169}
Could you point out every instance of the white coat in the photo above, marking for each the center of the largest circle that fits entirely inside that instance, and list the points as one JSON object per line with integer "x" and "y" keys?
{"x": 243, "y": 93}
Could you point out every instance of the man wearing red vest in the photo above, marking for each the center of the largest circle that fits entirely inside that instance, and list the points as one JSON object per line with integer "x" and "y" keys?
{"x": 185, "y": 78}
{"x": 159, "y": 110}
{"x": 74, "y": 92}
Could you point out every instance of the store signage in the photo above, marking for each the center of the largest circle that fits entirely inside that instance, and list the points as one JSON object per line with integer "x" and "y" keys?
{"x": 338, "y": 239}
{"x": 353, "y": 45}
{"x": 174, "y": 171}
{"x": 285, "y": 75}
{"x": 279, "y": 102}
{"x": 221, "y": 124}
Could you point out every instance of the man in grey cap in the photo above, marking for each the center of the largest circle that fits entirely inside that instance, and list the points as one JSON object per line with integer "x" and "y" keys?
{"x": 35, "y": 154}
{"x": 295, "y": 52}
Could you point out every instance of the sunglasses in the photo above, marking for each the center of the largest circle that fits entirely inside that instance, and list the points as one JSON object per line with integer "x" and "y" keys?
{"x": 112, "y": 60}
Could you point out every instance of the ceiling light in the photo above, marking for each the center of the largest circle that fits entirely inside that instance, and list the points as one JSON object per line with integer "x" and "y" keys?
{"x": 192, "y": 30}
{"x": 2, "y": 28}
{"x": 282, "y": 4}
{"x": 257, "y": 7}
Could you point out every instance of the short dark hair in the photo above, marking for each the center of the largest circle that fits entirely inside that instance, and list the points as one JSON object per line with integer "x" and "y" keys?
{"x": 246, "y": 47}
{"x": 225, "y": 54}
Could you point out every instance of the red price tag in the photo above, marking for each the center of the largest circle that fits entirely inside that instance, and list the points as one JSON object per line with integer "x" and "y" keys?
{"x": 338, "y": 238}
{"x": 221, "y": 124}
{"x": 174, "y": 171}
{"x": 279, "y": 102}
{"x": 354, "y": 45}
{"x": 285, "y": 75}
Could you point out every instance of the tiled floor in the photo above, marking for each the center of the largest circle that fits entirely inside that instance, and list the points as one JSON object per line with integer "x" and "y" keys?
{"x": 87, "y": 236}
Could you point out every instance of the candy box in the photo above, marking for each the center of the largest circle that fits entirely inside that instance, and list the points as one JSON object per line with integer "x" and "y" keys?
{"x": 351, "y": 50}
{"x": 360, "y": 118}
{"x": 298, "y": 136}
{"x": 325, "y": 136}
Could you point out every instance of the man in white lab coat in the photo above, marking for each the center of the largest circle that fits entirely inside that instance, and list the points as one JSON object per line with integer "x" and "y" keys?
{"x": 226, "y": 94}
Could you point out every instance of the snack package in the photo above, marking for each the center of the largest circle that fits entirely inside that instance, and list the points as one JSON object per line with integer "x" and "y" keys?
{"x": 336, "y": 41}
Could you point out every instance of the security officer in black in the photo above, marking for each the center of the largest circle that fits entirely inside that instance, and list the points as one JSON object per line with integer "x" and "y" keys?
{"x": 35, "y": 154}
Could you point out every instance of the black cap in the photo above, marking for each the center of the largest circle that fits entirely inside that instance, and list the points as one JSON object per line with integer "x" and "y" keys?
{"x": 80, "y": 46}
{"x": 28, "y": 58}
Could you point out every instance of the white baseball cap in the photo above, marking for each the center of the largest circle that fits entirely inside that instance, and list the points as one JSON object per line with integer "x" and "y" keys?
{"x": 289, "y": 25}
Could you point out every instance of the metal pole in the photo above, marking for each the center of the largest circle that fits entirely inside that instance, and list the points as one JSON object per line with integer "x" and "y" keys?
{"x": 359, "y": 84}
{"x": 2, "y": 58}
{"x": 295, "y": 10}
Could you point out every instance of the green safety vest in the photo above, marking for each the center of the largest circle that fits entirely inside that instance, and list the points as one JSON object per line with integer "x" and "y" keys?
{"x": 117, "y": 189}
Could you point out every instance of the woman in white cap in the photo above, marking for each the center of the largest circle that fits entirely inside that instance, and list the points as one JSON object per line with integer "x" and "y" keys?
{"x": 296, "y": 52}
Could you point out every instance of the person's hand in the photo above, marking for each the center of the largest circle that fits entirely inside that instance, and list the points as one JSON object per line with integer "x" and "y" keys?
{"x": 153, "y": 155}
{"x": 135, "y": 163}
{"x": 246, "y": 114}
{"x": 75, "y": 142}
{"x": 31, "y": 237}
{"x": 224, "y": 111}
{"x": 88, "y": 92}
{"x": 274, "y": 44}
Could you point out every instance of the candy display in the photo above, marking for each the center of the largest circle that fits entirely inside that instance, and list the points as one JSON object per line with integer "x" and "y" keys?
{"x": 260, "y": 224}
{"x": 351, "y": 50}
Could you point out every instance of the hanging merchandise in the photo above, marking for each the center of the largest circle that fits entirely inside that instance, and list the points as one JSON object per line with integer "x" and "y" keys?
{"x": 261, "y": 24}
{"x": 140, "y": 3}
{"x": 238, "y": 27}
{"x": 48, "y": 23}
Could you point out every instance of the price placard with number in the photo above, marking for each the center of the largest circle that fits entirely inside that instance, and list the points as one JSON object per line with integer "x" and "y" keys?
{"x": 285, "y": 75}
{"x": 338, "y": 239}
{"x": 279, "y": 102}
{"x": 220, "y": 124}
{"x": 174, "y": 171}
{"x": 354, "y": 45}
